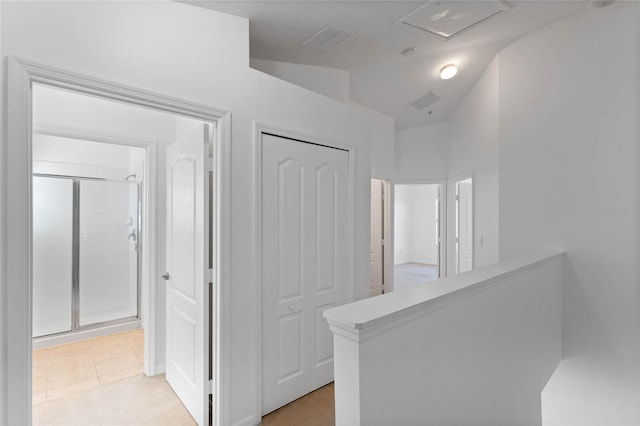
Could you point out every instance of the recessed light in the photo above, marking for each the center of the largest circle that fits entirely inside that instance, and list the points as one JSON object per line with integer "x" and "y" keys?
{"x": 448, "y": 71}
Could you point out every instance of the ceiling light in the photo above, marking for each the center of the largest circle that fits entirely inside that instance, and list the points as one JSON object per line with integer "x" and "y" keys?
{"x": 448, "y": 71}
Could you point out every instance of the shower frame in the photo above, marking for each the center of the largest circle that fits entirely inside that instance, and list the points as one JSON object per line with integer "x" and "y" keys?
{"x": 75, "y": 255}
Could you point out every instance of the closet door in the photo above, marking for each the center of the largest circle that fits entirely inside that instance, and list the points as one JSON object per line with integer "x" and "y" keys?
{"x": 304, "y": 264}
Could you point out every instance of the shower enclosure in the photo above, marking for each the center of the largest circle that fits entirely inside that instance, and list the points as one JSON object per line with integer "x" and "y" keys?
{"x": 86, "y": 252}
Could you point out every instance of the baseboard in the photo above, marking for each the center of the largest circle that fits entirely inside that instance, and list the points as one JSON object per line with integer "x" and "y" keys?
{"x": 248, "y": 421}
{"x": 76, "y": 336}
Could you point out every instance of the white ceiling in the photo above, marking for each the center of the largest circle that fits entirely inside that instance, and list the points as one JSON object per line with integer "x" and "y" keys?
{"x": 381, "y": 77}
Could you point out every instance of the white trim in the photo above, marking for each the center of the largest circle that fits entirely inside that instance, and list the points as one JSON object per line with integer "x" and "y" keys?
{"x": 348, "y": 321}
{"x": 259, "y": 129}
{"x": 388, "y": 234}
{"x": 61, "y": 339}
{"x": 222, "y": 288}
{"x": 15, "y": 371}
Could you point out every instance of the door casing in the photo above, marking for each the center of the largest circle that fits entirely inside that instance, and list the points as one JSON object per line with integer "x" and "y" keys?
{"x": 16, "y": 226}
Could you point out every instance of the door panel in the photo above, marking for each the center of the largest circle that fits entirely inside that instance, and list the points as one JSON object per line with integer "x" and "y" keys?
{"x": 376, "y": 248}
{"x": 108, "y": 257}
{"x": 52, "y": 255}
{"x": 188, "y": 264}
{"x": 304, "y": 264}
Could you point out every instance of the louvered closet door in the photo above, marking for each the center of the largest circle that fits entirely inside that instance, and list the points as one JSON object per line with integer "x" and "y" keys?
{"x": 304, "y": 264}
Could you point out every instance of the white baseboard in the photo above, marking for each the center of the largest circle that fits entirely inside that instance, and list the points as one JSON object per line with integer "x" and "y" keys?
{"x": 76, "y": 336}
{"x": 248, "y": 421}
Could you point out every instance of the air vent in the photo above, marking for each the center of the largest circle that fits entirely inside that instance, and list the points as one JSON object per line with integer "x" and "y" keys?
{"x": 447, "y": 19}
{"x": 426, "y": 100}
{"x": 327, "y": 38}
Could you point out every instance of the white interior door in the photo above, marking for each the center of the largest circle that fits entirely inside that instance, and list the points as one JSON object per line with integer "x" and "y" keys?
{"x": 376, "y": 257}
{"x": 188, "y": 271}
{"x": 304, "y": 264}
{"x": 465, "y": 225}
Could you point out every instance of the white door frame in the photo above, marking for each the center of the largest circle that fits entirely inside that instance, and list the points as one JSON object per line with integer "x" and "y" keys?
{"x": 451, "y": 219}
{"x": 259, "y": 129}
{"x": 442, "y": 216}
{"x": 16, "y": 226}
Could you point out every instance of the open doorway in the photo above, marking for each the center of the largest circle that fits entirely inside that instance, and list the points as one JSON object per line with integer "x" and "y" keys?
{"x": 417, "y": 230}
{"x": 98, "y": 317}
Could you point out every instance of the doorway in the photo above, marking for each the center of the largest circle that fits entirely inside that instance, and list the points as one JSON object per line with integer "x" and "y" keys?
{"x": 26, "y": 80}
{"x": 417, "y": 234}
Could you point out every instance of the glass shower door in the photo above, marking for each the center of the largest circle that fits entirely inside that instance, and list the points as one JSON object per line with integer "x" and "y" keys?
{"x": 108, "y": 251}
{"x": 52, "y": 255}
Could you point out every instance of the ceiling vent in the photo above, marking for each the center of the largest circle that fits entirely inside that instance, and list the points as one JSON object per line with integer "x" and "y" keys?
{"x": 328, "y": 37}
{"x": 447, "y": 19}
{"x": 426, "y": 100}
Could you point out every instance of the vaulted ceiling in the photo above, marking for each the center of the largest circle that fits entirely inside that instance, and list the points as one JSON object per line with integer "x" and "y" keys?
{"x": 382, "y": 78}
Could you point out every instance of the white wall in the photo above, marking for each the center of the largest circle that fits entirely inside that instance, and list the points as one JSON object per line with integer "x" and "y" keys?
{"x": 401, "y": 224}
{"x": 473, "y": 147}
{"x": 569, "y": 177}
{"x": 74, "y": 157}
{"x": 471, "y": 349}
{"x": 202, "y": 56}
{"x": 422, "y": 152}
{"x": 331, "y": 82}
{"x": 415, "y": 224}
{"x": 466, "y": 143}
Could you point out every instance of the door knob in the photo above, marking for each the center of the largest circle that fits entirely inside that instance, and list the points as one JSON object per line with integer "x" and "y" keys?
{"x": 166, "y": 276}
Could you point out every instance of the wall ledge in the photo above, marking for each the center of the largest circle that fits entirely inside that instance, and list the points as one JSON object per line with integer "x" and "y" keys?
{"x": 359, "y": 321}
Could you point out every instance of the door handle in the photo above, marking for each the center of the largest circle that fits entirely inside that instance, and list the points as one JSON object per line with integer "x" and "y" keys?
{"x": 166, "y": 276}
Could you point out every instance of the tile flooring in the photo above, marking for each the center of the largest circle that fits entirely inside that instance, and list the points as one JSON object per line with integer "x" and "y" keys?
{"x": 74, "y": 367}
{"x": 314, "y": 409}
{"x": 100, "y": 381}
{"x": 137, "y": 400}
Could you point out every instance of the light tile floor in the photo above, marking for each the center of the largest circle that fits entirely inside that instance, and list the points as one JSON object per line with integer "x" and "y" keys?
{"x": 75, "y": 367}
{"x": 100, "y": 381}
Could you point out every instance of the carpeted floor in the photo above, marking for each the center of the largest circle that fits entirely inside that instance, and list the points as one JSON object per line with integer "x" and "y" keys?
{"x": 409, "y": 275}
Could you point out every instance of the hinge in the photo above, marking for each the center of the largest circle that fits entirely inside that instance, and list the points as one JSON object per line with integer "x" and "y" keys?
{"x": 210, "y": 164}
{"x": 211, "y": 275}
{"x": 211, "y": 388}
{"x": 457, "y": 198}
{"x": 383, "y": 241}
